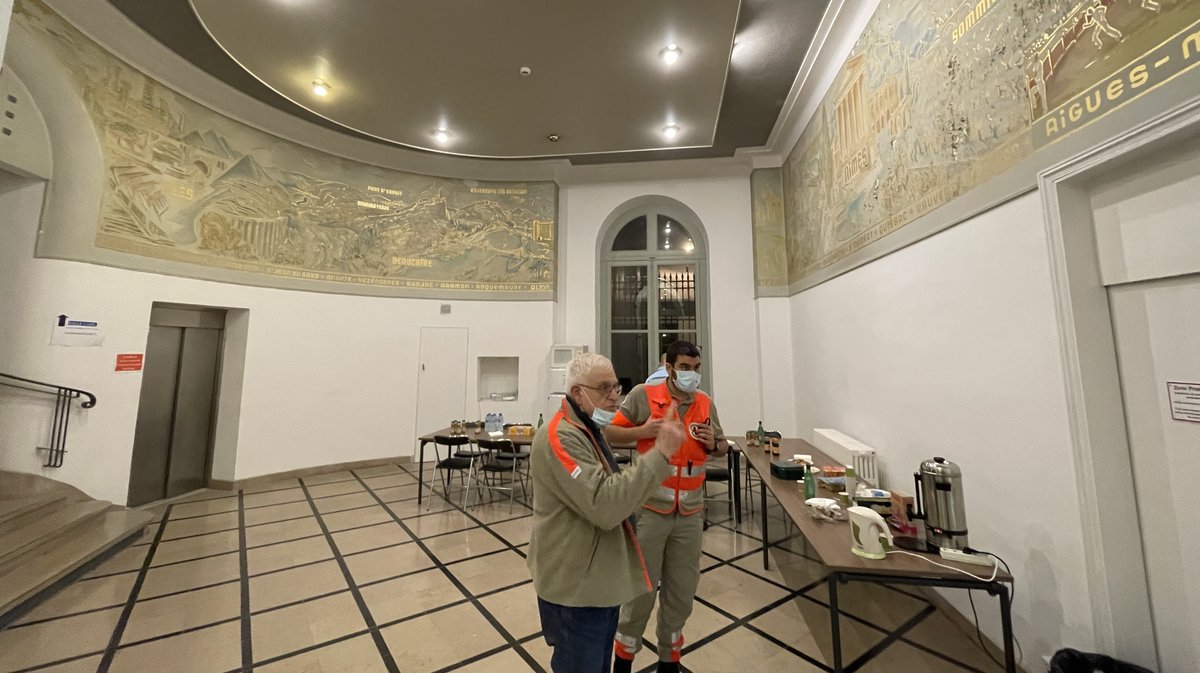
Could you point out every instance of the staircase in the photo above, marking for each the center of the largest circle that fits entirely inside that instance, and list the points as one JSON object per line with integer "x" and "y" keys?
{"x": 49, "y": 529}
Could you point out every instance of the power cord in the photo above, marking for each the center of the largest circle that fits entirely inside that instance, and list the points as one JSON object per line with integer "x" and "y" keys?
{"x": 1012, "y": 598}
{"x": 971, "y": 595}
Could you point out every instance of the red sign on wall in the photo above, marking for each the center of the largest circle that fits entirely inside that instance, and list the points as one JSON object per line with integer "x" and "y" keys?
{"x": 129, "y": 362}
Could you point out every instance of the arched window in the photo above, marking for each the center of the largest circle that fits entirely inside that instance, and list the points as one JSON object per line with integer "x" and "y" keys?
{"x": 653, "y": 285}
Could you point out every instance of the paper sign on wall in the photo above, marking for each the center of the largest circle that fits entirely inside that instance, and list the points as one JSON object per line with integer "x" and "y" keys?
{"x": 70, "y": 332}
{"x": 129, "y": 362}
{"x": 1185, "y": 401}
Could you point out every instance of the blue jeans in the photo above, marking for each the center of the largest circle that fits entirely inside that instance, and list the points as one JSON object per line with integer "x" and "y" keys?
{"x": 582, "y": 638}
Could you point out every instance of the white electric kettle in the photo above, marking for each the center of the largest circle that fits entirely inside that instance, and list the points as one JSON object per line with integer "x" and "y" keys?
{"x": 870, "y": 535}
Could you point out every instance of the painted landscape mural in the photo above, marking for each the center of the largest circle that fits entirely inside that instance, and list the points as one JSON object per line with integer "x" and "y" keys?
{"x": 188, "y": 185}
{"x": 939, "y": 96}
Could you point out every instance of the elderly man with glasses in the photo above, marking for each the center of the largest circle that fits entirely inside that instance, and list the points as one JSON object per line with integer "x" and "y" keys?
{"x": 668, "y": 526}
{"x": 584, "y": 553}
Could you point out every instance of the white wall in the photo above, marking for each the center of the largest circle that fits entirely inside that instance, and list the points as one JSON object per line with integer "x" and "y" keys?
{"x": 328, "y": 378}
{"x": 949, "y": 347}
{"x": 723, "y": 206}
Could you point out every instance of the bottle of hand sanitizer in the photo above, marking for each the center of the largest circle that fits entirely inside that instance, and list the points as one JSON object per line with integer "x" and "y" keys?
{"x": 851, "y": 484}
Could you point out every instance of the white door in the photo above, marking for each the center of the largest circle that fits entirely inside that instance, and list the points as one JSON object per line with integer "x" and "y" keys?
{"x": 1157, "y": 330}
{"x": 442, "y": 378}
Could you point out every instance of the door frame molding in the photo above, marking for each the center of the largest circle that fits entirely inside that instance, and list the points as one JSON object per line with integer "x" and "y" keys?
{"x": 1116, "y": 579}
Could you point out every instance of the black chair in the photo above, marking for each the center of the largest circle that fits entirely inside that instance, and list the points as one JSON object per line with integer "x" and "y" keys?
{"x": 461, "y": 460}
{"x": 504, "y": 458}
{"x": 718, "y": 474}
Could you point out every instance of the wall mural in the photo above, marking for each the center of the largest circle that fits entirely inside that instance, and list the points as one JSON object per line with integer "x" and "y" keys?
{"x": 939, "y": 96}
{"x": 186, "y": 184}
{"x": 770, "y": 241}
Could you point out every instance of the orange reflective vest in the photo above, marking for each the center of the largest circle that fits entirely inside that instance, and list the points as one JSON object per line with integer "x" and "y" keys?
{"x": 682, "y": 490}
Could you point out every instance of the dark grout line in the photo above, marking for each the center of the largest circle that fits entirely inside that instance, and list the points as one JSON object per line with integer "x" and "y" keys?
{"x": 244, "y": 581}
{"x": 123, "y": 620}
{"x": 491, "y": 619}
{"x": 890, "y": 638}
{"x": 384, "y": 652}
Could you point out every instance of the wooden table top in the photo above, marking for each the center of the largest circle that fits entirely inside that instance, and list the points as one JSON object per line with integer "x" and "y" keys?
{"x": 831, "y": 539}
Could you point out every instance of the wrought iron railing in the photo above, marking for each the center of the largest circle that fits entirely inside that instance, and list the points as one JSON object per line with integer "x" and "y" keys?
{"x": 62, "y": 412}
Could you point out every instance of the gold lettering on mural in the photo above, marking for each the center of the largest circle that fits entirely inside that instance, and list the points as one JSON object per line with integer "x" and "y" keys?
{"x": 968, "y": 22}
{"x": 518, "y": 191}
{"x": 412, "y": 261}
{"x": 376, "y": 206}
{"x": 384, "y": 190}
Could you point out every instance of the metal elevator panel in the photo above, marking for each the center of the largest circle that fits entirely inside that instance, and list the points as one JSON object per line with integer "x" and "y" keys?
{"x": 172, "y": 446}
{"x": 156, "y": 413}
{"x": 194, "y": 394}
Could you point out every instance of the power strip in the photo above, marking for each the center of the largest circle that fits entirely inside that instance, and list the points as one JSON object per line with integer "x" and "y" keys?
{"x": 961, "y": 556}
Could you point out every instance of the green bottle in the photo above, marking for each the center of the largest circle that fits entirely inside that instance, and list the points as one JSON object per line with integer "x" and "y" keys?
{"x": 762, "y": 435}
{"x": 810, "y": 483}
{"x": 540, "y": 421}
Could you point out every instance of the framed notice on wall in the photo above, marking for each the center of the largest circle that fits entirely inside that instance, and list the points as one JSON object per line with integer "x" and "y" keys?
{"x": 1185, "y": 401}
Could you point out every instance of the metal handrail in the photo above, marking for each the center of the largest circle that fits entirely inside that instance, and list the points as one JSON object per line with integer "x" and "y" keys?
{"x": 72, "y": 392}
{"x": 62, "y": 413}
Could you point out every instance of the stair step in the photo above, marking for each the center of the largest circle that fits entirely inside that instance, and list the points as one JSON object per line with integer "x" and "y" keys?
{"x": 16, "y": 542}
{"x": 19, "y": 512}
{"x": 56, "y": 561}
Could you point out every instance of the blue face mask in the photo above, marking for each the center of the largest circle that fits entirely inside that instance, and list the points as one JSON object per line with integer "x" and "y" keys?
{"x": 687, "y": 381}
{"x": 603, "y": 418}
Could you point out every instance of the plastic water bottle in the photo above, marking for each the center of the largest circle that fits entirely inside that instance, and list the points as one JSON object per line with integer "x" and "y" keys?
{"x": 489, "y": 422}
{"x": 500, "y": 422}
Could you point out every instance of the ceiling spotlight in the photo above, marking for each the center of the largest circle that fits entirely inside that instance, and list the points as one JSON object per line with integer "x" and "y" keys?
{"x": 320, "y": 87}
{"x": 671, "y": 53}
{"x": 553, "y": 137}
{"x": 442, "y": 136}
{"x": 670, "y": 131}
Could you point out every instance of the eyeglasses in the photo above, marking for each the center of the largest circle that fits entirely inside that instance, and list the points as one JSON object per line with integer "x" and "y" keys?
{"x": 606, "y": 389}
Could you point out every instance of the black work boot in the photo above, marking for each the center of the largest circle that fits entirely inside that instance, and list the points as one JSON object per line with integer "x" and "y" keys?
{"x": 622, "y": 665}
{"x": 668, "y": 667}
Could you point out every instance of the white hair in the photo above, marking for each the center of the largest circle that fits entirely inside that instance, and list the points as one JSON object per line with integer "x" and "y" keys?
{"x": 581, "y": 367}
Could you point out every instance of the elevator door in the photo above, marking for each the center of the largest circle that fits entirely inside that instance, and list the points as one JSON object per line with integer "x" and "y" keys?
{"x": 172, "y": 444}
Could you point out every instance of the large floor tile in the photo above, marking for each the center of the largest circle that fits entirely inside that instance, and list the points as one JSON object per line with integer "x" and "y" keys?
{"x": 26, "y": 646}
{"x": 384, "y": 534}
{"x": 355, "y": 655}
{"x": 410, "y": 595}
{"x": 445, "y": 637}
{"x": 493, "y": 571}
{"x": 211, "y": 650}
{"x": 288, "y": 554}
{"x": 159, "y": 616}
{"x": 257, "y": 536}
{"x": 296, "y": 627}
{"x": 744, "y": 650}
{"x": 738, "y": 593}
{"x": 385, "y": 563}
{"x": 516, "y": 609}
{"x": 78, "y": 596}
{"x": 191, "y": 574}
{"x": 455, "y": 546}
{"x": 287, "y": 586}
{"x": 515, "y": 532}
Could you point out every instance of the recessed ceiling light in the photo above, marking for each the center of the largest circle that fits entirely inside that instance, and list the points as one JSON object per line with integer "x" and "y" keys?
{"x": 671, "y": 53}
{"x": 670, "y": 131}
{"x": 442, "y": 136}
{"x": 320, "y": 87}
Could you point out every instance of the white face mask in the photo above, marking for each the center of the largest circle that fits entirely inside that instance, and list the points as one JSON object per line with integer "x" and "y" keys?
{"x": 601, "y": 417}
{"x": 687, "y": 381}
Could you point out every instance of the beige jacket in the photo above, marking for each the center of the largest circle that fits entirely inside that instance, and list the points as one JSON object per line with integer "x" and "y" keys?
{"x": 583, "y": 551}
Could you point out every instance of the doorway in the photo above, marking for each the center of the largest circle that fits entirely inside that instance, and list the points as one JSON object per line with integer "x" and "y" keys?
{"x": 441, "y": 377}
{"x": 172, "y": 442}
{"x": 1156, "y": 324}
{"x": 1125, "y": 257}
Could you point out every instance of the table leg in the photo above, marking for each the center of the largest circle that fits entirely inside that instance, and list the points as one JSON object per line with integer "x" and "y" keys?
{"x": 1010, "y": 663}
{"x": 735, "y": 461}
{"x": 420, "y": 472}
{"x": 766, "y": 545}
{"x": 835, "y": 627}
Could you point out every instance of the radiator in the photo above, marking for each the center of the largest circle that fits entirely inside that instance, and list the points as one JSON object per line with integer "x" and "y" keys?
{"x": 849, "y": 451}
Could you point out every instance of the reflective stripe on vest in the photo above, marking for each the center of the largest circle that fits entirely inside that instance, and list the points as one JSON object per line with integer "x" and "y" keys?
{"x": 682, "y": 488}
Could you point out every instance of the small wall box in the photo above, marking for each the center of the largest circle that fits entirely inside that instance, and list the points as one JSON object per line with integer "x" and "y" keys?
{"x": 499, "y": 378}
{"x": 560, "y": 356}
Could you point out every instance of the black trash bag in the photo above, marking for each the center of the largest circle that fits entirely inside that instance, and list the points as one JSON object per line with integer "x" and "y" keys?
{"x": 1074, "y": 661}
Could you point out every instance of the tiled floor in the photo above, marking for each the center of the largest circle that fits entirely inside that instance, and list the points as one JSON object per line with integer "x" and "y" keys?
{"x": 345, "y": 572}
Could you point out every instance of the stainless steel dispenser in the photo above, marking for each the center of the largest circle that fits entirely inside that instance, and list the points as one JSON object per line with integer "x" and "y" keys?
{"x": 940, "y": 500}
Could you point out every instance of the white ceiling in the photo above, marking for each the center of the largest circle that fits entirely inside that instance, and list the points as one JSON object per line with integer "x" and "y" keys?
{"x": 399, "y": 70}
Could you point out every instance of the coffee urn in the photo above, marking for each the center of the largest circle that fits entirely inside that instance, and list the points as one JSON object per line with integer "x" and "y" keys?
{"x": 939, "y": 500}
